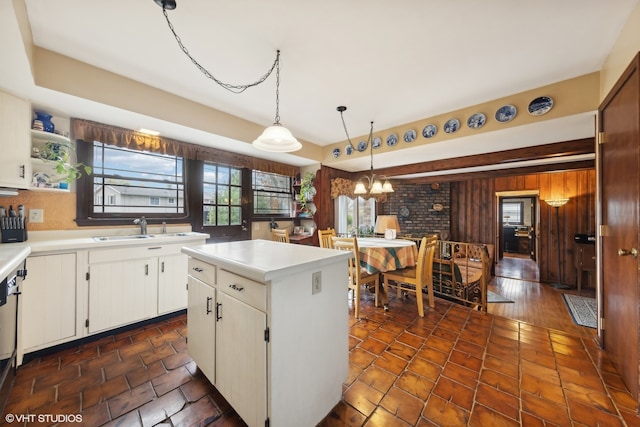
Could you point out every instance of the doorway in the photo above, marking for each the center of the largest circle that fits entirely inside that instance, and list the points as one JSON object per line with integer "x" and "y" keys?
{"x": 517, "y": 234}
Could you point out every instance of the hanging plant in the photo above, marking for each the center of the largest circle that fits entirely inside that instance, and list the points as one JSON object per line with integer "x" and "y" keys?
{"x": 64, "y": 155}
{"x": 307, "y": 190}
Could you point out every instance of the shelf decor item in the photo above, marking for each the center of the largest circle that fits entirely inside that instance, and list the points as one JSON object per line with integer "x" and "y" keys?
{"x": 307, "y": 192}
{"x": 45, "y": 119}
{"x": 61, "y": 153}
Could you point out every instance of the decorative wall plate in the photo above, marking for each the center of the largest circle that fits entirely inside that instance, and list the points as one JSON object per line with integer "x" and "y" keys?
{"x": 409, "y": 136}
{"x": 476, "y": 121}
{"x": 392, "y": 140}
{"x": 540, "y": 106}
{"x": 362, "y": 145}
{"x": 452, "y": 126}
{"x": 506, "y": 113}
{"x": 438, "y": 207}
{"x": 429, "y": 131}
{"x": 348, "y": 149}
{"x": 403, "y": 212}
{"x": 336, "y": 153}
{"x": 377, "y": 142}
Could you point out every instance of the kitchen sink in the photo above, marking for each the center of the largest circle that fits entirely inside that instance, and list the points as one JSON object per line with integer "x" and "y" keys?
{"x": 127, "y": 237}
{"x": 138, "y": 236}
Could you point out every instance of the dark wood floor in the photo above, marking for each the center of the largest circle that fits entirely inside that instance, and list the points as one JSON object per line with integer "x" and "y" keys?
{"x": 453, "y": 367}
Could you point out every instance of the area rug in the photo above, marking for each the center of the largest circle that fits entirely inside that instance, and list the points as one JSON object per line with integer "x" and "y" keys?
{"x": 493, "y": 297}
{"x": 583, "y": 310}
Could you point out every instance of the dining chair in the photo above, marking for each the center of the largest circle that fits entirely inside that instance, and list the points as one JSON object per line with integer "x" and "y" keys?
{"x": 358, "y": 276}
{"x": 280, "y": 235}
{"x": 324, "y": 237}
{"x": 414, "y": 279}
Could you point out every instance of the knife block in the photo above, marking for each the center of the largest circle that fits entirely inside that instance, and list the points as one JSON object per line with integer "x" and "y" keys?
{"x": 12, "y": 235}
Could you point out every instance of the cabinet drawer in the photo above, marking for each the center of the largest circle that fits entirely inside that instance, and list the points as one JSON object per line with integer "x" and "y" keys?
{"x": 202, "y": 271}
{"x": 245, "y": 290}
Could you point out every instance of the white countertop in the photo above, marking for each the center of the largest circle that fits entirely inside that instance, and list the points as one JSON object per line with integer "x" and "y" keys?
{"x": 11, "y": 256}
{"x": 264, "y": 260}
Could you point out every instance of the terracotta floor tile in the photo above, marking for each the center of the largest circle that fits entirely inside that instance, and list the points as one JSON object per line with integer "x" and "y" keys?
{"x": 415, "y": 385}
{"x": 145, "y": 373}
{"x": 171, "y": 380}
{"x": 101, "y": 392}
{"x": 130, "y": 400}
{"x": 481, "y": 416}
{"x": 444, "y": 413}
{"x": 498, "y": 401}
{"x": 378, "y": 378}
{"x": 501, "y": 382}
{"x": 454, "y": 366}
{"x": 162, "y": 408}
{"x": 403, "y": 405}
{"x": 455, "y": 392}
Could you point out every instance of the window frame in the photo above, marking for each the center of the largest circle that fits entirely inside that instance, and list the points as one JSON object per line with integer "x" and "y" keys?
{"x": 264, "y": 216}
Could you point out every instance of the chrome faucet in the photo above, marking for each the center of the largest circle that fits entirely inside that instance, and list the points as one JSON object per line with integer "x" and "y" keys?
{"x": 142, "y": 222}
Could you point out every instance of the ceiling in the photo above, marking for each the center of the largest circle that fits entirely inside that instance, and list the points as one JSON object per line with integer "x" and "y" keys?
{"x": 390, "y": 62}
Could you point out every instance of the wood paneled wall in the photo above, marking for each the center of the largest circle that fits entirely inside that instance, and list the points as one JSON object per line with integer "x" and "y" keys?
{"x": 474, "y": 213}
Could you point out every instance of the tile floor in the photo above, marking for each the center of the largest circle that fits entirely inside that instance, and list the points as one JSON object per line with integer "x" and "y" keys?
{"x": 453, "y": 367}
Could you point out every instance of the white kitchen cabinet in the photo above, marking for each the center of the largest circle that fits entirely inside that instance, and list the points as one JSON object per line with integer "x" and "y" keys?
{"x": 15, "y": 143}
{"x": 201, "y": 315}
{"x": 122, "y": 291}
{"x": 172, "y": 283}
{"x": 241, "y": 355}
{"x": 279, "y": 344}
{"x": 48, "y": 301}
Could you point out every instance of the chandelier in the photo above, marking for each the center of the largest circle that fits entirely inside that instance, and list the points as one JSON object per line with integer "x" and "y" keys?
{"x": 275, "y": 138}
{"x": 373, "y": 185}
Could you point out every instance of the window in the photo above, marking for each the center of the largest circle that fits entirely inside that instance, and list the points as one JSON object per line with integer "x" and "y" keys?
{"x": 512, "y": 212}
{"x": 272, "y": 194}
{"x": 355, "y": 216}
{"x": 221, "y": 195}
{"x": 135, "y": 183}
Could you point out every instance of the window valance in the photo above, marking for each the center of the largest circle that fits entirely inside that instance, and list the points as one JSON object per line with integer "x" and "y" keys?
{"x": 89, "y": 131}
{"x": 346, "y": 187}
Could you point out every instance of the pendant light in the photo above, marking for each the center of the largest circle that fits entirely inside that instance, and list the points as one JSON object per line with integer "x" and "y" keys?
{"x": 275, "y": 138}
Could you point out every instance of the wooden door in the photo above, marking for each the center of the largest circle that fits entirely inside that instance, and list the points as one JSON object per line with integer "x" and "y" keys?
{"x": 619, "y": 157}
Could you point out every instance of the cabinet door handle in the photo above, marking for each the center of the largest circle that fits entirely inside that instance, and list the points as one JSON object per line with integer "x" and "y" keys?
{"x": 22, "y": 171}
{"x": 218, "y": 311}
{"x": 209, "y": 299}
{"x": 162, "y": 267}
{"x": 236, "y": 287}
{"x": 146, "y": 269}
{"x": 198, "y": 269}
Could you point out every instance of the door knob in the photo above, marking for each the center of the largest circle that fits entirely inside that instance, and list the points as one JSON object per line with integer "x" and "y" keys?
{"x": 626, "y": 252}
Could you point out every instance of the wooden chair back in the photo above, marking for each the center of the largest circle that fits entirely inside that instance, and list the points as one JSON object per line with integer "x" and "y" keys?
{"x": 280, "y": 235}
{"x": 324, "y": 238}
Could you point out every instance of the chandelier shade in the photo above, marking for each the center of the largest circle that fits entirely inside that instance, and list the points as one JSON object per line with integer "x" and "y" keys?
{"x": 277, "y": 138}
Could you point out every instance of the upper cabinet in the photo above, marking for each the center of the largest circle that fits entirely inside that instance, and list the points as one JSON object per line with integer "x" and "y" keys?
{"x": 15, "y": 121}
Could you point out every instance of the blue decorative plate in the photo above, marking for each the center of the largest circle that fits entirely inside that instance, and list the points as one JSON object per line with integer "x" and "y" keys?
{"x": 362, "y": 145}
{"x": 377, "y": 142}
{"x": 540, "y": 106}
{"x": 429, "y": 131}
{"x": 392, "y": 140}
{"x": 348, "y": 149}
{"x": 476, "y": 121}
{"x": 336, "y": 153}
{"x": 506, "y": 113}
{"x": 409, "y": 136}
{"x": 452, "y": 126}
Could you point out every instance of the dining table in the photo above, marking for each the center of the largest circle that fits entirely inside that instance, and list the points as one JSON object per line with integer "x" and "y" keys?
{"x": 378, "y": 255}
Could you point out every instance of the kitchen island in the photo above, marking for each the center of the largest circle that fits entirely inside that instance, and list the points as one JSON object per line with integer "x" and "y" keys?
{"x": 268, "y": 326}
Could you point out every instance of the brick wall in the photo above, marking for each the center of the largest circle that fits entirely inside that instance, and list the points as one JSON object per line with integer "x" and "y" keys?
{"x": 419, "y": 199}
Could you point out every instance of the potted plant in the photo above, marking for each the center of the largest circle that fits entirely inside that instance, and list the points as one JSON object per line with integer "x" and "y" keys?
{"x": 307, "y": 190}
{"x": 63, "y": 154}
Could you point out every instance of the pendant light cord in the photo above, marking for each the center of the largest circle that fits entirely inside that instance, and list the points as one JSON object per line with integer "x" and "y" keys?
{"x": 228, "y": 86}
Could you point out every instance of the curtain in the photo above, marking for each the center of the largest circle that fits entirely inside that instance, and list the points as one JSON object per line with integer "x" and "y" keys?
{"x": 90, "y": 131}
{"x": 346, "y": 187}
